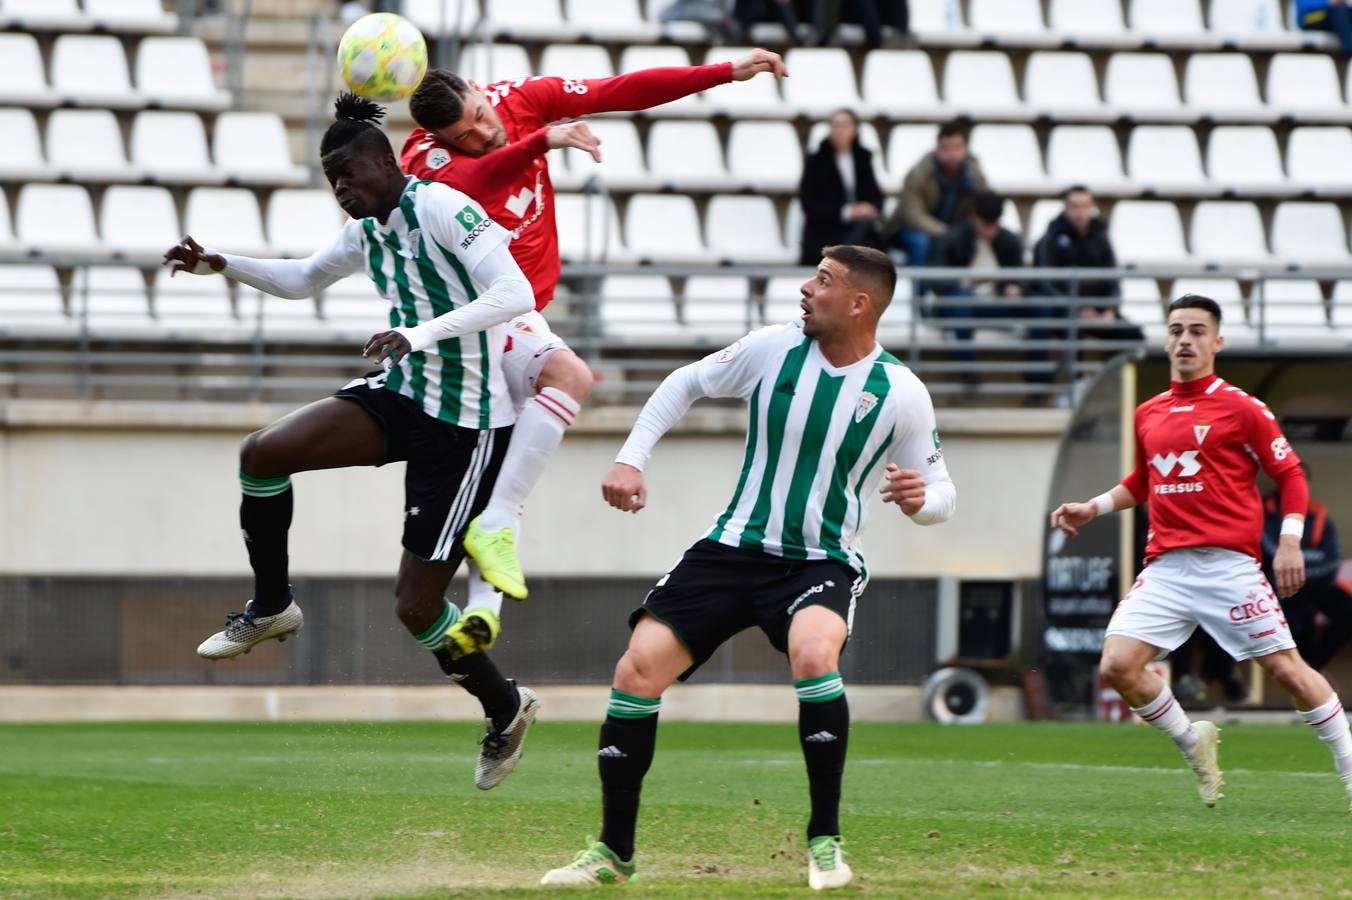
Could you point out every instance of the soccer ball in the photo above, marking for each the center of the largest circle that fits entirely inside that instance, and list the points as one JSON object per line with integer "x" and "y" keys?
{"x": 382, "y": 56}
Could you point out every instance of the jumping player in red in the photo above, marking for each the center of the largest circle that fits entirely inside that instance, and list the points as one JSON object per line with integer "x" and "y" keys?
{"x": 491, "y": 142}
{"x": 1199, "y": 446}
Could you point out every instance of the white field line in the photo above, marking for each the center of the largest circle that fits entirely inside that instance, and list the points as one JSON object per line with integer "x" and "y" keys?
{"x": 1001, "y": 763}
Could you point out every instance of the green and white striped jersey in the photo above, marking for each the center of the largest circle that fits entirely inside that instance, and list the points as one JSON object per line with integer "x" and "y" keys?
{"x": 818, "y": 442}
{"x": 422, "y": 261}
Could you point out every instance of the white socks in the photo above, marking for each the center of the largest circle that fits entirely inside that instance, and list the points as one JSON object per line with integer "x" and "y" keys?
{"x": 1165, "y": 714}
{"x": 482, "y": 595}
{"x": 1330, "y": 723}
{"x": 538, "y": 432}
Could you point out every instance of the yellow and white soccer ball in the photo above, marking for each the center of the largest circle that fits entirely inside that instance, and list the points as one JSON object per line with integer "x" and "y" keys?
{"x": 382, "y": 56}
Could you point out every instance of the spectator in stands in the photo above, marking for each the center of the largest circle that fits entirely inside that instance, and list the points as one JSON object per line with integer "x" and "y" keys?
{"x": 746, "y": 13}
{"x": 839, "y": 192}
{"x": 1320, "y": 613}
{"x": 937, "y": 192}
{"x": 872, "y": 14}
{"x": 1078, "y": 239}
{"x": 1327, "y": 15}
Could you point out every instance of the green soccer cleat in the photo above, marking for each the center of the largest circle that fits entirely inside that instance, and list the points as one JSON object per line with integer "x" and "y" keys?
{"x": 476, "y": 632}
{"x": 826, "y": 866}
{"x": 594, "y": 867}
{"x": 1205, "y": 762}
{"x": 495, "y": 553}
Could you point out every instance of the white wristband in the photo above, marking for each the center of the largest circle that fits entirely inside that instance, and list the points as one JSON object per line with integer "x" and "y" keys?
{"x": 1294, "y": 527}
{"x": 1104, "y": 504}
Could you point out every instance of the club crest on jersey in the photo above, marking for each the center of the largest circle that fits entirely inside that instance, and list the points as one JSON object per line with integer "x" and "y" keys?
{"x": 867, "y": 401}
{"x": 1200, "y": 431}
{"x": 415, "y": 241}
{"x": 438, "y": 157}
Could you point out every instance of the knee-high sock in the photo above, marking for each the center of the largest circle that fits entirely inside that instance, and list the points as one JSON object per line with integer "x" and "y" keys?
{"x": 537, "y": 434}
{"x": 265, "y": 518}
{"x": 628, "y": 737}
{"x": 1165, "y": 714}
{"x": 824, "y": 732}
{"x": 475, "y": 673}
{"x": 1330, "y": 723}
{"x": 481, "y": 594}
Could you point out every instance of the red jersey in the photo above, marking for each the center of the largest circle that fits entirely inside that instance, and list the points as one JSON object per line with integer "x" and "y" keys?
{"x": 512, "y": 183}
{"x": 1198, "y": 449}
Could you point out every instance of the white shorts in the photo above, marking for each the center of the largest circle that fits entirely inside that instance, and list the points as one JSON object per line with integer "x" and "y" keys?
{"x": 1224, "y": 591}
{"x": 529, "y": 344}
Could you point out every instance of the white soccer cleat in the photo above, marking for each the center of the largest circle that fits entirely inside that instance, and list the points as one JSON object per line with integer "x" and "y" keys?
{"x": 1205, "y": 762}
{"x": 500, "y": 750}
{"x": 596, "y": 866}
{"x": 826, "y": 866}
{"x": 243, "y": 631}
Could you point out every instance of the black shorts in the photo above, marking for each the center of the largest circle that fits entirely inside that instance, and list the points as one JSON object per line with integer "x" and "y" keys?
{"x": 716, "y": 591}
{"x": 451, "y": 470}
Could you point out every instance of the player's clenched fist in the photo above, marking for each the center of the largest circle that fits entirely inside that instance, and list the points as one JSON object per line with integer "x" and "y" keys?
{"x": 623, "y": 488}
{"x": 905, "y": 488}
{"x": 758, "y": 61}
{"x": 1071, "y": 517}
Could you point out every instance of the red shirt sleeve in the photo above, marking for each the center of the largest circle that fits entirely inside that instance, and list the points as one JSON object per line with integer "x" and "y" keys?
{"x": 1137, "y": 481}
{"x": 1277, "y": 458}
{"x": 490, "y": 175}
{"x": 568, "y": 98}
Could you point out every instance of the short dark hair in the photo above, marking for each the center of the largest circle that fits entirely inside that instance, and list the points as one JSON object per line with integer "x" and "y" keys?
{"x": 439, "y": 100}
{"x": 854, "y": 116}
{"x": 988, "y": 206}
{"x": 952, "y": 129}
{"x": 871, "y": 267}
{"x": 1076, "y": 189}
{"x": 1197, "y": 301}
{"x": 356, "y": 125}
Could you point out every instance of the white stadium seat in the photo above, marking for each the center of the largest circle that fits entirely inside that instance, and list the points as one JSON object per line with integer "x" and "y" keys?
{"x": 496, "y": 62}
{"x": 1165, "y": 158}
{"x": 1143, "y": 84}
{"x": 1020, "y": 20}
{"x": 1316, "y": 158}
{"x": 1250, "y": 23}
{"x": 1039, "y": 217}
{"x": 171, "y": 147}
{"x": 1223, "y": 86}
{"x": 664, "y": 228}
{"x": 1291, "y": 311}
{"x": 281, "y": 317}
{"x": 303, "y": 221}
{"x": 906, "y": 144}
{"x": 176, "y": 71}
{"x": 1169, "y": 22}
{"x": 1228, "y": 232}
{"x": 529, "y": 19}
{"x": 91, "y": 70}
{"x": 1226, "y": 293}
{"x": 1305, "y": 86}
{"x": 901, "y": 83}
{"x": 687, "y": 155}
{"x": 21, "y": 156}
{"x": 1064, "y": 84}
{"x": 744, "y": 231}
{"x": 577, "y": 61}
{"x": 1309, "y": 234}
{"x": 1142, "y": 306}
{"x": 621, "y": 154}
{"x": 7, "y": 240}
{"x": 227, "y": 219}
{"x": 22, "y": 73}
{"x": 56, "y": 220}
{"x": 112, "y": 299}
{"x": 618, "y": 20}
{"x": 1342, "y": 309}
{"x": 46, "y": 15}
{"x": 438, "y": 18}
{"x": 822, "y": 80}
{"x": 638, "y": 306}
{"x": 86, "y": 145}
{"x": 589, "y": 237}
{"x": 30, "y": 299}
{"x": 1010, "y": 158}
{"x": 783, "y": 295}
{"x": 765, "y": 155}
{"x": 940, "y": 21}
{"x": 1092, "y": 21}
{"x": 252, "y": 148}
{"x": 980, "y": 83}
{"x": 195, "y": 304}
{"x": 351, "y": 307}
{"x": 719, "y": 308}
{"x": 138, "y": 222}
{"x": 636, "y": 57}
{"x": 1246, "y": 158}
{"x": 1147, "y": 232}
{"x": 1086, "y": 154}
{"x": 758, "y": 97}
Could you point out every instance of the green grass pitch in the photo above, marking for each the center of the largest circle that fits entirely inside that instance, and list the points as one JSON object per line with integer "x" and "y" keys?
{"x": 320, "y": 810}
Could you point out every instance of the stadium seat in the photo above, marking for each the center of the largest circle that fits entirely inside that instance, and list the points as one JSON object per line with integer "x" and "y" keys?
{"x": 680, "y": 31}
{"x": 1251, "y": 24}
{"x": 252, "y": 148}
{"x": 176, "y": 72}
{"x": 111, "y": 299}
{"x": 540, "y": 20}
{"x": 439, "y": 18}
{"x": 744, "y": 231}
{"x": 21, "y": 156}
{"x": 1225, "y": 291}
{"x": 901, "y": 83}
{"x": 22, "y": 73}
{"x": 496, "y": 62}
{"x": 1222, "y": 86}
{"x": 91, "y": 70}
{"x": 196, "y": 305}
{"x": 1165, "y": 159}
{"x": 1304, "y": 86}
{"x": 664, "y": 228}
{"x": 622, "y": 165}
{"x": 1144, "y": 85}
{"x": 226, "y": 219}
{"x": 636, "y": 57}
{"x": 138, "y": 222}
{"x": 611, "y": 20}
{"x": 352, "y": 308}
{"x": 1342, "y": 309}
{"x": 56, "y": 220}
{"x": 1147, "y": 232}
{"x": 899, "y": 320}
{"x": 584, "y": 237}
{"x": 1316, "y": 159}
{"x": 1170, "y": 22}
{"x": 86, "y": 145}
{"x": 1228, "y": 232}
{"x": 1245, "y": 159}
{"x": 822, "y": 81}
{"x": 980, "y": 84}
{"x": 906, "y": 144}
{"x": 1142, "y": 306}
{"x": 783, "y": 295}
{"x": 1063, "y": 84}
{"x": 757, "y": 98}
{"x": 1008, "y": 20}
{"x": 281, "y": 317}
{"x": 1010, "y": 158}
{"x": 577, "y": 61}
{"x": 30, "y": 299}
{"x": 171, "y": 148}
{"x": 765, "y": 156}
{"x": 1309, "y": 234}
{"x": 940, "y": 22}
{"x": 303, "y": 221}
{"x": 638, "y": 306}
{"x": 8, "y": 243}
{"x": 1291, "y": 311}
{"x": 1039, "y": 217}
{"x": 718, "y": 308}
{"x": 1086, "y": 154}
{"x": 687, "y": 156}
{"x": 1090, "y": 21}
{"x": 46, "y": 15}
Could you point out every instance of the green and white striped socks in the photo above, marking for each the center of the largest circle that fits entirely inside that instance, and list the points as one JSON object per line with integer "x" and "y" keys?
{"x": 627, "y": 706}
{"x": 264, "y": 487}
{"x": 821, "y": 689}
{"x": 435, "y": 637}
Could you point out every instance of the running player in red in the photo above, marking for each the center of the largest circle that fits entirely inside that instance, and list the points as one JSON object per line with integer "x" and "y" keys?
{"x": 1199, "y": 446}
{"x": 491, "y": 142}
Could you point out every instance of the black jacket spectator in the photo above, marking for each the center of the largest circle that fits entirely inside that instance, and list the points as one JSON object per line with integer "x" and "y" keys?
{"x": 823, "y": 196}
{"x": 957, "y": 249}
{"x": 1322, "y": 594}
{"x": 1062, "y": 247}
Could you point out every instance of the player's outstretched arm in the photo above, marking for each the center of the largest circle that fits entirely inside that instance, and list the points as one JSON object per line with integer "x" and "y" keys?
{"x": 291, "y": 279}
{"x": 1071, "y": 517}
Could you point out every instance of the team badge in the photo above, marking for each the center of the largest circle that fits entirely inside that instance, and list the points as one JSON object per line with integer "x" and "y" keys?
{"x": 415, "y": 241}
{"x": 438, "y": 157}
{"x": 867, "y": 401}
{"x": 1200, "y": 432}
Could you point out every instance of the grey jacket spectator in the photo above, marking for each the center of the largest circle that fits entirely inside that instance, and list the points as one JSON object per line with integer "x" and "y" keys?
{"x": 931, "y": 200}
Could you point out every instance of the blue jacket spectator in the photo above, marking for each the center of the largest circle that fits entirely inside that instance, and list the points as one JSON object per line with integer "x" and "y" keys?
{"x": 1327, "y": 15}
